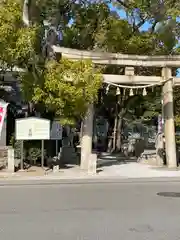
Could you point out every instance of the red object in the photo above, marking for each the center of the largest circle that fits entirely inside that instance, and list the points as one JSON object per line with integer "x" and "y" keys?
{"x": 1, "y": 109}
{"x": 1, "y": 113}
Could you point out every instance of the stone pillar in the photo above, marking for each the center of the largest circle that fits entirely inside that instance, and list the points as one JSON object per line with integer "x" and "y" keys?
{"x": 11, "y": 162}
{"x": 92, "y": 168}
{"x": 3, "y": 132}
{"x": 159, "y": 146}
{"x": 168, "y": 111}
{"x": 86, "y": 141}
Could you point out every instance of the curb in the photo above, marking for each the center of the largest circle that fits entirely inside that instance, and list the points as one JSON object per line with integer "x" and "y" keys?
{"x": 32, "y": 181}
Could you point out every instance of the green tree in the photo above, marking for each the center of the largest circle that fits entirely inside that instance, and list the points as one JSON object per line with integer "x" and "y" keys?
{"x": 94, "y": 27}
{"x": 17, "y": 44}
{"x": 106, "y": 31}
{"x": 68, "y": 88}
{"x": 44, "y": 81}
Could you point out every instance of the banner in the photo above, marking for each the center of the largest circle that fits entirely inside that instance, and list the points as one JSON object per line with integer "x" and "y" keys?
{"x": 3, "y": 110}
{"x": 56, "y": 131}
{"x": 160, "y": 124}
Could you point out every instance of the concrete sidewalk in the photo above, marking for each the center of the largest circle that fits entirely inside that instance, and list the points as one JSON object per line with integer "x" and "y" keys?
{"x": 130, "y": 170}
{"x": 138, "y": 170}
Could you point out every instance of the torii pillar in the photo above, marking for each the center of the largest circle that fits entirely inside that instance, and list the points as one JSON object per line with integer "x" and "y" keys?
{"x": 168, "y": 111}
{"x": 86, "y": 141}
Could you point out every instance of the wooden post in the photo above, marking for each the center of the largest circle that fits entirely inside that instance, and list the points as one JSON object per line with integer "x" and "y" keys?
{"x": 86, "y": 141}
{"x": 168, "y": 111}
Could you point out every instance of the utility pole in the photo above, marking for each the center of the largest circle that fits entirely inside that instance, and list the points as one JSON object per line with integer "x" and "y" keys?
{"x": 168, "y": 111}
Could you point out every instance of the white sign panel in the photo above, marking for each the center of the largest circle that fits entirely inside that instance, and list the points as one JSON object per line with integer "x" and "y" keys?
{"x": 32, "y": 128}
{"x": 56, "y": 131}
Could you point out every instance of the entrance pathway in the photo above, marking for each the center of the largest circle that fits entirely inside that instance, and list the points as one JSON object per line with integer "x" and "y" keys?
{"x": 118, "y": 166}
{"x": 108, "y": 166}
{"x": 138, "y": 170}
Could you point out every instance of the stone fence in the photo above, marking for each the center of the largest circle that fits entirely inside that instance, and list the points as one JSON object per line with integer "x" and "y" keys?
{"x": 7, "y": 158}
{"x": 3, "y": 157}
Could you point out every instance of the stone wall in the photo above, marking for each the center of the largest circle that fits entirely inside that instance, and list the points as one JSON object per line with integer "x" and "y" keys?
{"x": 3, "y": 157}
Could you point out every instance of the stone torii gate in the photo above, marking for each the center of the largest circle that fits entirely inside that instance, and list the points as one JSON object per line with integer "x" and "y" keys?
{"x": 166, "y": 80}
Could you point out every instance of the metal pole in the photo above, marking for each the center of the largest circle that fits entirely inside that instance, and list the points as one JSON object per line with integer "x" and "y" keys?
{"x": 56, "y": 147}
{"x": 42, "y": 153}
{"x": 22, "y": 153}
{"x": 169, "y": 128}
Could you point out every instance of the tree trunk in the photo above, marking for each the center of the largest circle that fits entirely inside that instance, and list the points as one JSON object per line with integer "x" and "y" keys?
{"x": 109, "y": 148}
{"x": 121, "y": 115}
{"x": 114, "y": 134}
{"x": 110, "y": 137}
{"x": 81, "y": 132}
{"x": 119, "y": 134}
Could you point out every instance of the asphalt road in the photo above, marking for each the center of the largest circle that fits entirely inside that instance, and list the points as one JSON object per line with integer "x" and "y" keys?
{"x": 94, "y": 211}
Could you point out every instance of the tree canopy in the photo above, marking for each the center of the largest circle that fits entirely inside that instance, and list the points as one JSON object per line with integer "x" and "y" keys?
{"x": 91, "y": 25}
{"x": 43, "y": 80}
{"x": 17, "y": 44}
{"x": 68, "y": 88}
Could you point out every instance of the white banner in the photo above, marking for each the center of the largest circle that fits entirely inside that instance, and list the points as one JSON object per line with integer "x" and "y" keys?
{"x": 3, "y": 110}
{"x": 160, "y": 124}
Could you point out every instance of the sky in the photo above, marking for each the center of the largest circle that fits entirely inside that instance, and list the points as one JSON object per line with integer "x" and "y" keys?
{"x": 122, "y": 15}
{"x": 145, "y": 26}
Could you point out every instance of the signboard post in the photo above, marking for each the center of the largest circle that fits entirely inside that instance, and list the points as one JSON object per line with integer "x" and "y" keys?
{"x": 32, "y": 128}
{"x": 22, "y": 154}
{"x": 42, "y": 153}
